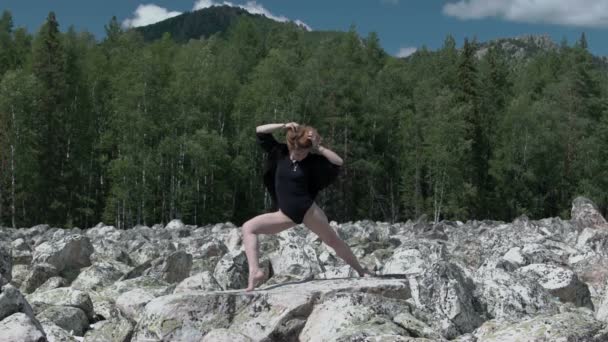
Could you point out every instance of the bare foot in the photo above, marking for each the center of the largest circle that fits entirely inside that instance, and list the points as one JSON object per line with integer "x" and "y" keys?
{"x": 254, "y": 278}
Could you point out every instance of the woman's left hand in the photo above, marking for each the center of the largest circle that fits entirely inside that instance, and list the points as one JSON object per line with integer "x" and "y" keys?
{"x": 315, "y": 139}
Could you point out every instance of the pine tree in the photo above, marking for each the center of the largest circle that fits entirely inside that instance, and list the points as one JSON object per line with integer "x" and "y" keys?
{"x": 49, "y": 68}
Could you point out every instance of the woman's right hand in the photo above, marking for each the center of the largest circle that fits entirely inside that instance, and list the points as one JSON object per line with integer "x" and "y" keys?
{"x": 292, "y": 125}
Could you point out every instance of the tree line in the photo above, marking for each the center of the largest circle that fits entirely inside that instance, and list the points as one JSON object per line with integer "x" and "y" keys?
{"x": 131, "y": 132}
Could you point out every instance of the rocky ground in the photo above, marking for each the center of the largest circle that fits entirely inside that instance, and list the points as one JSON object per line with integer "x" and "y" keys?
{"x": 527, "y": 280}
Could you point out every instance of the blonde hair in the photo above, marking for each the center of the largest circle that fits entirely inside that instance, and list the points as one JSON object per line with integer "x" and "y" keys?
{"x": 298, "y": 138}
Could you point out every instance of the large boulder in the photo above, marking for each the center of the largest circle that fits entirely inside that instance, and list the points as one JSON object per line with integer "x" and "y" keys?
{"x": 559, "y": 281}
{"x": 38, "y": 275}
{"x": 277, "y": 313}
{"x": 585, "y": 214}
{"x": 295, "y": 257}
{"x": 69, "y": 252}
{"x": 172, "y": 268}
{"x": 346, "y": 315}
{"x": 132, "y": 303}
{"x": 232, "y": 271}
{"x": 446, "y": 294}
{"x": 507, "y": 295}
{"x": 55, "y": 333}
{"x": 414, "y": 257}
{"x": 100, "y": 275}
{"x": 19, "y": 327}
{"x": 63, "y": 296}
{"x": 69, "y": 318}
{"x": 12, "y": 301}
{"x": 566, "y": 326}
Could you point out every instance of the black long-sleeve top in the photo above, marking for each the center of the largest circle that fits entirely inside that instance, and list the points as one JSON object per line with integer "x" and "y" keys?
{"x": 320, "y": 171}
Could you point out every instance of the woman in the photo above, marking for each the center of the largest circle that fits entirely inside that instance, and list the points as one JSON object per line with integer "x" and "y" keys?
{"x": 295, "y": 173}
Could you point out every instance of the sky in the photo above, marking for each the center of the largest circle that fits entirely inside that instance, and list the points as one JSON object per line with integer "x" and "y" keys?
{"x": 402, "y": 25}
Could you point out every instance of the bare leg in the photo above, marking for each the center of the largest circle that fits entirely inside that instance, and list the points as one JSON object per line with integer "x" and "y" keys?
{"x": 316, "y": 220}
{"x": 270, "y": 223}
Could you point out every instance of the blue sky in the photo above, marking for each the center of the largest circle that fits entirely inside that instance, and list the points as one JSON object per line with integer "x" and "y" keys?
{"x": 402, "y": 25}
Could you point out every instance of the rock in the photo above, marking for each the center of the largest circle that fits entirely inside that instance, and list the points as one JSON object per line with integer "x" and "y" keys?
{"x": 233, "y": 239}
{"x": 508, "y": 295}
{"x": 445, "y": 293}
{"x": 515, "y": 257}
{"x": 415, "y": 327}
{"x": 560, "y": 282}
{"x": 12, "y": 301}
{"x": 69, "y": 318}
{"x": 6, "y": 264}
{"x": 585, "y": 214}
{"x": 203, "y": 281}
{"x": 70, "y": 252}
{"x": 147, "y": 251}
{"x": 37, "y": 276}
{"x": 53, "y": 283}
{"x": 151, "y": 284}
{"x": 346, "y": 315}
{"x": 276, "y": 313}
{"x": 99, "y": 275}
{"x": 108, "y": 250}
{"x": 63, "y": 296}
{"x": 567, "y": 326}
{"x": 602, "y": 308}
{"x": 104, "y": 307}
{"x": 203, "y": 247}
{"x": 593, "y": 240}
{"x": 55, "y": 333}
{"x": 175, "y": 224}
{"x": 114, "y": 330}
{"x": 414, "y": 257}
{"x": 22, "y": 253}
{"x": 541, "y": 253}
{"x": 19, "y": 274}
{"x": 173, "y": 268}
{"x": 225, "y": 335}
{"x": 19, "y": 327}
{"x": 363, "y": 230}
{"x": 295, "y": 257}
{"x": 232, "y": 271}
{"x": 331, "y": 272}
{"x": 132, "y": 303}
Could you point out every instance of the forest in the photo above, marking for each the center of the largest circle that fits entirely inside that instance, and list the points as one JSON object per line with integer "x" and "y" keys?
{"x": 135, "y": 129}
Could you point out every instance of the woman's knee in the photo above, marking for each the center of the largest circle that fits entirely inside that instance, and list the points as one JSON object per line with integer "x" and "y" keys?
{"x": 249, "y": 227}
{"x": 268, "y": 223}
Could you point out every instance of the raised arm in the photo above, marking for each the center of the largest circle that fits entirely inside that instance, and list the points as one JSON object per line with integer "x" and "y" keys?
{"x": 269, "y": 128}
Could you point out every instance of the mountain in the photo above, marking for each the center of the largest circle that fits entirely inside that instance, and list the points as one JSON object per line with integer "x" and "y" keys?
{"x": 526, "y": 46}
{"x": 204, "y": 23}
{"x": 519, "y": 47}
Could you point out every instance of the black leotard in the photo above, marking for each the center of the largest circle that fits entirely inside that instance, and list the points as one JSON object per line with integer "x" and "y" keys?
{"x": 294, "y": 191}
{"x": 291, "y": 184}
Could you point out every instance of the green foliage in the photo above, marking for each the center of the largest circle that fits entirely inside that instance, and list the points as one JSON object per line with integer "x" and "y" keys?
{"x": 157, "y": 123}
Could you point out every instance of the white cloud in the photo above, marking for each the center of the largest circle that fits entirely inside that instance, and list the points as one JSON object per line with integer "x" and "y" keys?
{"x": 406, "y": 51}
{"x": 200, "y": 4}
{"x": 586, "y": 13}
{"x": 251, "y": 7}
{"x": 148, "y": 14}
